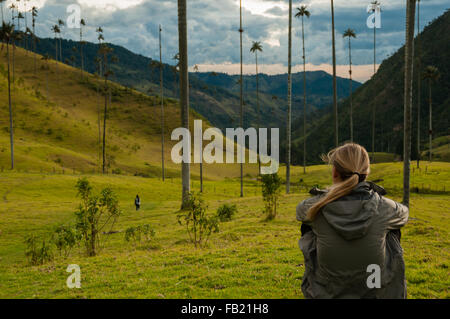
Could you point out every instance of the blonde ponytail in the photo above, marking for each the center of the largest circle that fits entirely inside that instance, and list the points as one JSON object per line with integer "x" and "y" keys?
{"x": 352, "y": 163}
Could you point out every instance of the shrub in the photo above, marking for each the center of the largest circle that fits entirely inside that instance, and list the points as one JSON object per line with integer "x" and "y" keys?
{"x": 65, "y": 238}
{"x": 226, "y": 212}
{"x": 95, "y": 213}
{"x": 271, "y": 191}
{"x": 138, "y": 234}
{"x": 38, "y": 250}
{"x": 198, "y": 226}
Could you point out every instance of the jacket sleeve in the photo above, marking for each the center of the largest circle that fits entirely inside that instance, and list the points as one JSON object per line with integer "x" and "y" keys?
{"x": 304, "y": 206}
{"x": 396, "y": 214}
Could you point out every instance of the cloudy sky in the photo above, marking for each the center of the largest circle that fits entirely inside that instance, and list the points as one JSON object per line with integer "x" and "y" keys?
{"x": 214, "y": 37}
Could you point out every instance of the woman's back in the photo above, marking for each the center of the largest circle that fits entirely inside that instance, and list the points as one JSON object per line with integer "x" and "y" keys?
{"x": 349, "y": 235}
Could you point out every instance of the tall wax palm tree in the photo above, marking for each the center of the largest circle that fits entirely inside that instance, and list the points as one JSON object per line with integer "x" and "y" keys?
{"x": 82, "y": 24}
{"x": 255, "y": 48}
{"x": 375, "y": 7}
{"x": 46, "y": 67}
{"x": 184, "y": 92}
{"x": 350, "y": 33}
{"x": 7, "y": 34}
{"x": 431, "y": 74}
{"x": 60, "y": 24}
{"x": 34, "y": 14}
{"x": 302, "y": 12}
{"x": 161, "y": 95}
{"x": 335, "y": 107}
{"x": 419, "y": 84}
{"x": 201, "y": 150}
{"x": 409, "y": 58}
{"x": 241, "y": 88}
{"x": 104, "y": 52}
{"x": 289, "y": 98}
{"x": 55, "y": 30}
{"x": 1, "y": 8}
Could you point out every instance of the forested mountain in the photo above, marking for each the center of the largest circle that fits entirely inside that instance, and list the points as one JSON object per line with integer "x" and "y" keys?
{"x": 385, "y": 92}
{"x": 213, "y": 95}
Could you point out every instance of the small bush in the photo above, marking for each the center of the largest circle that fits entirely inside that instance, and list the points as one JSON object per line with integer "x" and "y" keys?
{"x": 140, "y": 234}
{"x": 65, "y": 238}
{"x": 198, "y": 226}
{"x": 226, "y": 212}
{"x": 38, "y": 251}
{"x": 271, "y": 191}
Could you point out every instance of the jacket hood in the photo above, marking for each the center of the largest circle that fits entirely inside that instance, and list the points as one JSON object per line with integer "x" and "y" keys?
{"x": 351, "y": 215}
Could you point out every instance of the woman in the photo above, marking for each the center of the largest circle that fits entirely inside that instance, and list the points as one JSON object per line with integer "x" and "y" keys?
{"x": 349, "y": 231}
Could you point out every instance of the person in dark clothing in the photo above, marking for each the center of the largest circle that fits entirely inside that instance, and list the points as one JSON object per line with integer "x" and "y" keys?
{"x": 137, "y": 202}
{"x": 347, "y": 230}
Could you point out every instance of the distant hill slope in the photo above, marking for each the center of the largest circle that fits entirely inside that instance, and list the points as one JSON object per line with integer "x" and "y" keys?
{"x": 214, "y": 97}
{"x": 61, "y": 132}
{"x": 385, "y": 92}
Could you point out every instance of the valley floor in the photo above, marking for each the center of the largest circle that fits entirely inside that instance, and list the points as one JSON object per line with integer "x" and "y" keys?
{"x": 248, "y": 258}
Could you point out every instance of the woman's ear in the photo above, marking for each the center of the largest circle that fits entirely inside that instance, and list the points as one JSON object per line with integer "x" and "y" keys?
{"x": 335, "y": 175}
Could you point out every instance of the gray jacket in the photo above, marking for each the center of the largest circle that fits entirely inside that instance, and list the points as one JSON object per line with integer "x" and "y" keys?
{"x": 347, "y": 236}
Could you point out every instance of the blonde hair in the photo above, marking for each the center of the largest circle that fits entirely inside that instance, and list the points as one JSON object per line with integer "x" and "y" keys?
{"x": 352, "y": 163}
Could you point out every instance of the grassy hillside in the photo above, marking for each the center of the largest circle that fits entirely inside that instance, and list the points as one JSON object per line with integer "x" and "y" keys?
{"x": 213, "y": 95}
{"x": 248, "y": 258}
{"x": 61, "y": 131}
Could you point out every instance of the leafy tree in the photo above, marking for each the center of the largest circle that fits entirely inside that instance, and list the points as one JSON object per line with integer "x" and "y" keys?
{"x": 302, "y": 12}
{"x": 271, "y": 184}
{"x": 94, "y": 214}
{"x": 198, "y": 225}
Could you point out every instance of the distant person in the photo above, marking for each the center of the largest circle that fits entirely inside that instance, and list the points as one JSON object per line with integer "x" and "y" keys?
{"x": 350, "y": 230}
{"x": 137, "y": 202}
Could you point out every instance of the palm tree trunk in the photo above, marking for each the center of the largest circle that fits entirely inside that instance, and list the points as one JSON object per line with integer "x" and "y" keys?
{"x": 162, "y": 104}
{"x": 409, "y": 58}
{"x": 241, "y": 31}
{"x": 184, "y": 92}
{"x": 304, "y": 100}
{"x": 430, "y": 119}
{"x": 105, "y": 115}
{"x": 81, "y": 51}
{"x": 373, "y": 104}
{"x": 335, "y": 107}
{"x": 11, "y": 126}
{"x": 351, "y": 90}
{"x": 419, "y": 80}
{"x": 288, "y": 128}
{"x": 258, "y": 120}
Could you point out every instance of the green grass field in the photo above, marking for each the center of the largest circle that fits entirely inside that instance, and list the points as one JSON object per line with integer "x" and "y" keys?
{"x": 56, "y": 143}
{"x": 248, "y": 258}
